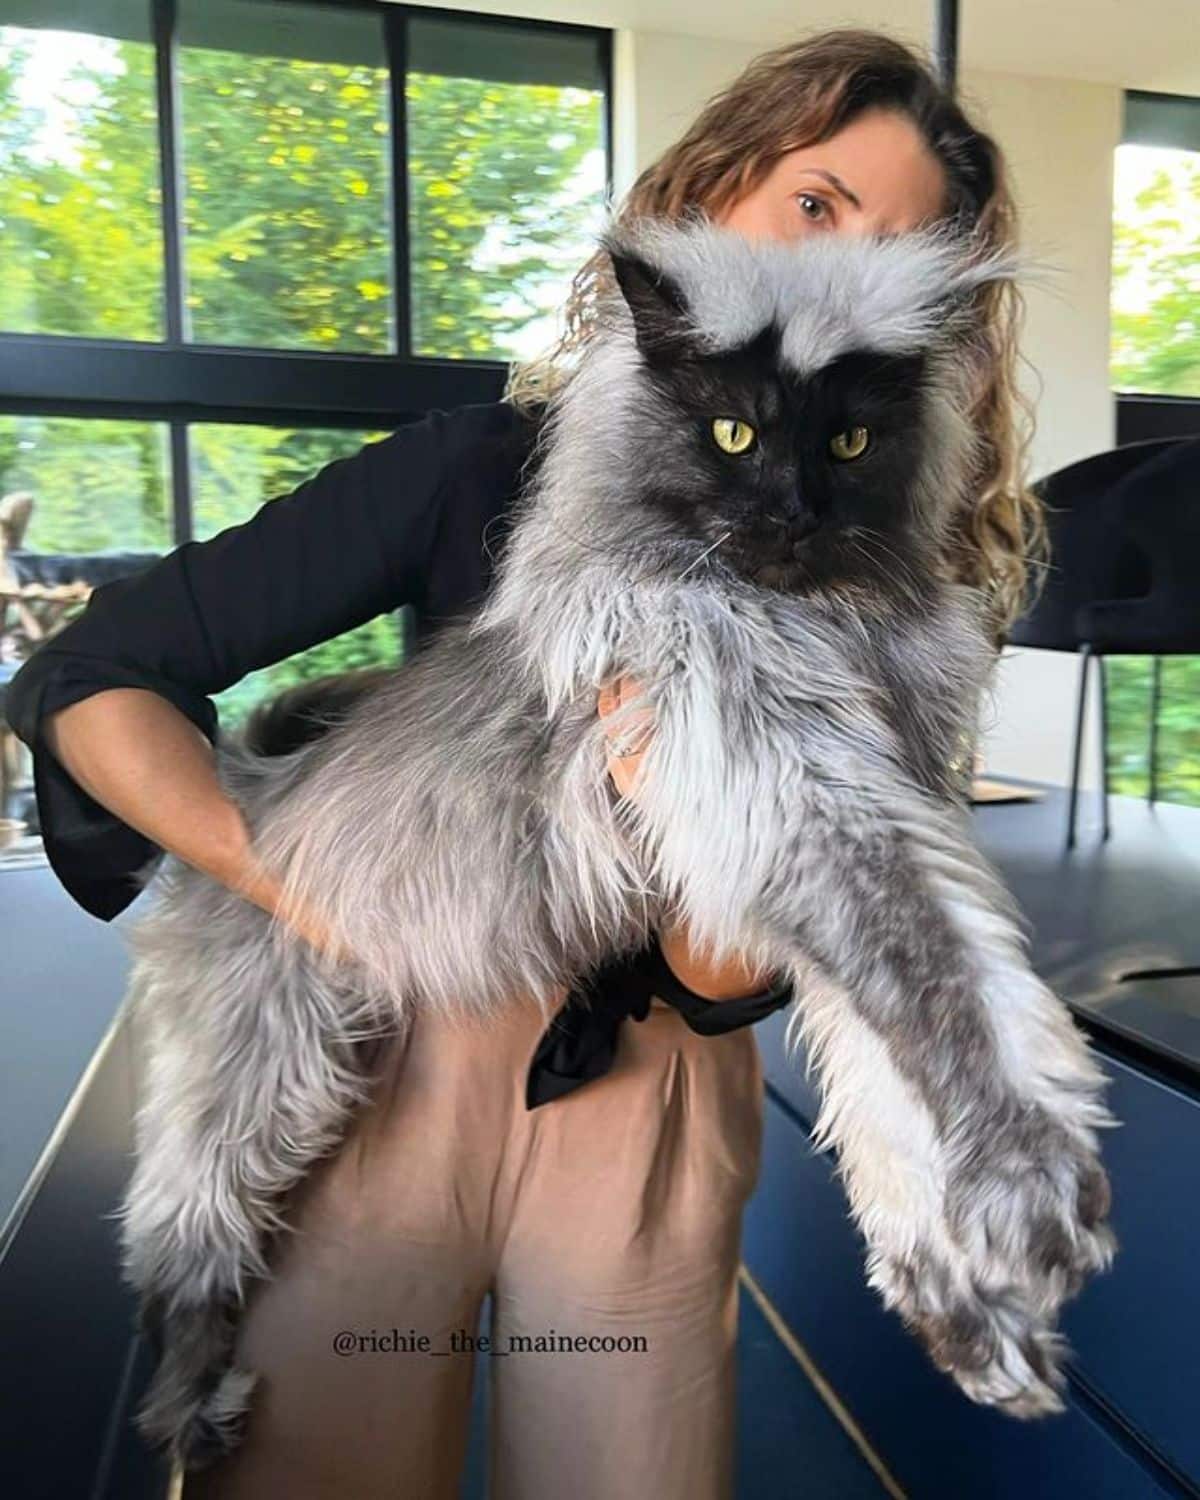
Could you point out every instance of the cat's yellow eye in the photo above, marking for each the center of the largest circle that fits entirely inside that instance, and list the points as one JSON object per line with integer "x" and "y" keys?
{"x": 732, "y": 435}
{"x": 852, "y": 443}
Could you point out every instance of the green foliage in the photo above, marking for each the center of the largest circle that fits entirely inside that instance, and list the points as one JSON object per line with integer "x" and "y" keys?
{"x": 80, "y": 226}
{"x": 1156, "y": 349}
{"x": 97, "y": 485}
{"x": 286, "y": 203}
{"x": 504, "y": 180}
{"x": 235, "y": 468}
{"x": 1129, "y": 699}
{"x": 1156, "y": 283}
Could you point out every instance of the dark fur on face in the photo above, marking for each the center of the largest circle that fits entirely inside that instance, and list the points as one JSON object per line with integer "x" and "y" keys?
{"x": 787, "y": 514}
{"x": 791, "y": 512}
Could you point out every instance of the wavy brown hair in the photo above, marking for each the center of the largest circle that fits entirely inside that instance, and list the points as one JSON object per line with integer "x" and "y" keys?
{"x": 799, "y": 95}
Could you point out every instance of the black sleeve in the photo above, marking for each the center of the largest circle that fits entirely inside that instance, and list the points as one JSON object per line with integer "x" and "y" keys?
{"x": 365, "y": 536}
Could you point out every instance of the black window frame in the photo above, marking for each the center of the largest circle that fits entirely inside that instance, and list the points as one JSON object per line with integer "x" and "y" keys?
{"x": 1164, "y": 120}
{"x": 177, "y": 382}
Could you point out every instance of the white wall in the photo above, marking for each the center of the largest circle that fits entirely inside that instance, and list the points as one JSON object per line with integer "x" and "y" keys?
{"x": 1059, "y": 136}
{"x": 663, "y": 80}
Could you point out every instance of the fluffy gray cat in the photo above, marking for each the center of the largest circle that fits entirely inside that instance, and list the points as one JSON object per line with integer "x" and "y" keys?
{"x": 741, "y": 499}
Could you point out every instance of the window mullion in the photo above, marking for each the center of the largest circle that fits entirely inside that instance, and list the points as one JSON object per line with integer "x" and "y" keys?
{"x": 610, "y": 145}
{"x": 181, "y": 482}
{"x": 396, "y": 48}
{"x": 165, "y": 23}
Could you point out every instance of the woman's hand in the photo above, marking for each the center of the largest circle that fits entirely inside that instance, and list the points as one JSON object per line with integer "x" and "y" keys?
{"x": 255, "y": 883}
{"x": 626, "y": 745}
{"x": 725, "y": 980}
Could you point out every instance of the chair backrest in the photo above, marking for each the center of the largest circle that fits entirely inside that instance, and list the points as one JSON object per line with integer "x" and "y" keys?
{"x": 1156, "y": 514}
{"x": 93, "y": 568}
{"x": 1090, "y": 558}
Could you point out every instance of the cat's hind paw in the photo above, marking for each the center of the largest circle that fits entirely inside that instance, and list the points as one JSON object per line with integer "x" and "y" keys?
{"x": 198, "y": 1400}
{"x": 198, "y": 1430}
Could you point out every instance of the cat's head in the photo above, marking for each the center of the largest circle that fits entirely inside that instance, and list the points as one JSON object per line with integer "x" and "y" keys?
{"x": 795, "y": 413}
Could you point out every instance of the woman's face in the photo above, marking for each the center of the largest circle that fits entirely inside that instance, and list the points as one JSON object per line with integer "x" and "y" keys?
{"x": 875, "y": 176}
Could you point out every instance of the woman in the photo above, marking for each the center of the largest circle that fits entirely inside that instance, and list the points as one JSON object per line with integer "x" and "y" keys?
{"x": 594, "y": 1187}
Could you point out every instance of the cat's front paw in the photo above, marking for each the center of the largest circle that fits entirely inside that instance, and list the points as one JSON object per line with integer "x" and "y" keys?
{"x": 995, "y": 1348}
{"x": 1029, "y": 1206}
{"x": 1020, "y": 1226}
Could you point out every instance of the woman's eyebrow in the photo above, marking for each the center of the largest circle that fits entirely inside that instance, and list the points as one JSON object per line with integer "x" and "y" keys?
{"x": 835, "y": 182}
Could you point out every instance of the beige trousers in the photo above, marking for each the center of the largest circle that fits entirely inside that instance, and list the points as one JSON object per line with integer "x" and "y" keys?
{"x": 610, "y": 1218}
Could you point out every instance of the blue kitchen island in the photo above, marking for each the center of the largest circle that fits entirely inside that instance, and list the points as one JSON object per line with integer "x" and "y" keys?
{"x": 1115, "y": 928}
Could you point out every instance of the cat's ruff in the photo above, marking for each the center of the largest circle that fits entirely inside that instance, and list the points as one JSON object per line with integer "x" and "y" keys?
{"x": 461, "y": 838}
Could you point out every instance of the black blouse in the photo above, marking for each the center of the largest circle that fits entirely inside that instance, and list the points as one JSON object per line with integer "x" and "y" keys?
{"x": 415, "y": 519}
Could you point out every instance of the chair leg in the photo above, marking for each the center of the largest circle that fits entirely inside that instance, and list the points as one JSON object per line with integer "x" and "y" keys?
{"x": 1100, "y": 663}
{"x": 1085, "y": 661}
{"x": 1155, "y": 710}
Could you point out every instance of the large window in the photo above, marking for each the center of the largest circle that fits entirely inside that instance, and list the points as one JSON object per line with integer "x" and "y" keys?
{"x": 1156, "y": 249}
{"x": 96, "y": 485}
{"x": 240, "y": 238}
{"x": 1154, "y": 726}
{"x": 286, "y": 144}
{"x": 1154, "y": 705}
{"x": 234, "y": 470}
{"x": 473, "y": 207}
{"x": 80, "y": 174}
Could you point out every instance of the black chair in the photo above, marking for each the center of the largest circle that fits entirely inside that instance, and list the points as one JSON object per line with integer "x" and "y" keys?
{"x": 1124, "y": 576}
{"x": 94, "y": 568}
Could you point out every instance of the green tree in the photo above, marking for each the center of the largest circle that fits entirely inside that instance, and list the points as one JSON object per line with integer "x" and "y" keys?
{"x": 98, "y": 486}
{"x": 1129, "y": 703}
{"x": 286, "y": 202}
{"x": 287, "y": 211}
{"x": 81, "y": 231}
{"x": 501, "y": 204}
{"x": 1156, "y": 250}
{"x": 1156, "y": 349}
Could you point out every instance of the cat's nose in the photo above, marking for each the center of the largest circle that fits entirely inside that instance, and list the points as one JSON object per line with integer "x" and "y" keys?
{"x": 797, "y": 515}
{"x": 794, "y": 513}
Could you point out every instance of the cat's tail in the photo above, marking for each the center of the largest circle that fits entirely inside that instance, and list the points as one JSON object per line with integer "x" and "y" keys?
{"x": 305, "y": 712}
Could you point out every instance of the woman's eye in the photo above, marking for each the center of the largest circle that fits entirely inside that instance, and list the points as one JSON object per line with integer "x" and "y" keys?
{"x": 732, "y": 435}
{"x": 813, "y": 206}
{"x": 852, "y": 443}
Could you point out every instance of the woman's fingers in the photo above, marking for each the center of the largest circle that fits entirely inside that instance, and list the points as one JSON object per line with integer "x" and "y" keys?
{"x": 628, "y": 738}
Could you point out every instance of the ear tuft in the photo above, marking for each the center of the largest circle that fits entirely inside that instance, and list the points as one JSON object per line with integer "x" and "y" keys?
{"x": 655, "y": 300}
{"x": 972, "y": 266}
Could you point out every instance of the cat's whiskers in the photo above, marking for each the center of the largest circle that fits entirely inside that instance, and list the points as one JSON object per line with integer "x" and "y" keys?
{"x": 696, "y": 561}
{"x": 860, "y": 538}
{"x": 905, "y": 580}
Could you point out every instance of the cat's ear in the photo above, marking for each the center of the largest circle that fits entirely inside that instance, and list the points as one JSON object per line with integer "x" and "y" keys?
{"x": 660, "y": 314}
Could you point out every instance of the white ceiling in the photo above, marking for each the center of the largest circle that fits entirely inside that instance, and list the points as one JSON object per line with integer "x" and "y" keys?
{"x": 1150, "y": 44}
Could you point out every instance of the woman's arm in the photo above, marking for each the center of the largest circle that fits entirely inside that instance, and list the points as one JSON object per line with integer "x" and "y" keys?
{"x": 153, "y": 769}
{"x": 729, "y": 979}
{"x": 149, "y": 765}
{"x": 119, "y": 781}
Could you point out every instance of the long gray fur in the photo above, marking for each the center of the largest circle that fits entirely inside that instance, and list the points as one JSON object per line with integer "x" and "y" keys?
{"x": 460, "y": 835}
